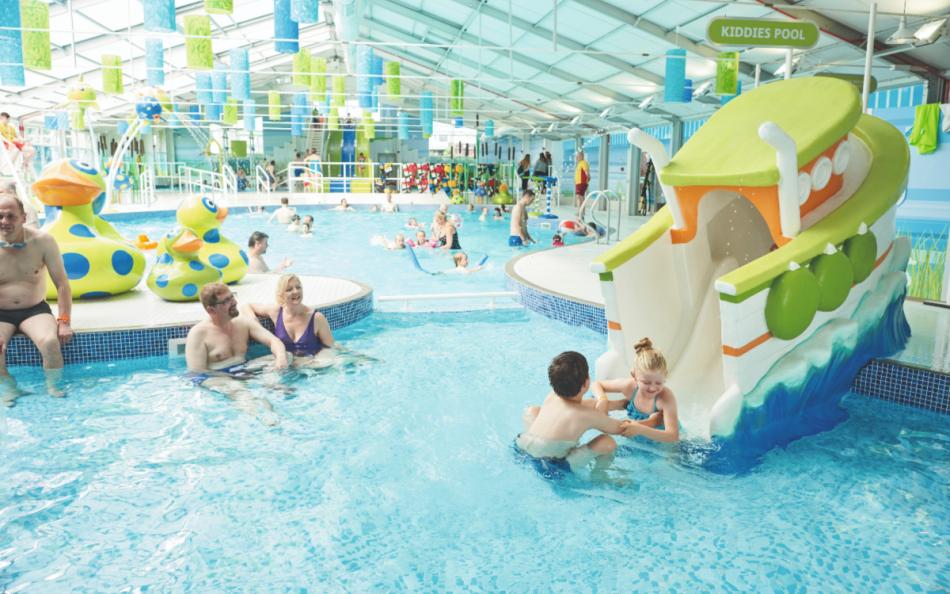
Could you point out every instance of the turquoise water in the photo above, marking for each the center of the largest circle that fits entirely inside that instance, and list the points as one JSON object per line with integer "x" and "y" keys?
{"x": 341, "y": 246}
{"x": 399, "y": 476}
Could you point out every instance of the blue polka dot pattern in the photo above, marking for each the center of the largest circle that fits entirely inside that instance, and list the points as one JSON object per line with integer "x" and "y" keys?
{"x": 219, "y": 261}
{"x": 80, "y": 230}
{"x": 77, "y": 266}
{"x": 98, "y": 203}
{"x": 165, "y": 259}
{"x": 122, "y": 262}
{"x": 83, "y": 167}
{"x": 189, "y": 290}
{"x": 161, "y": 281}
{"x": 212, "y": 236}
{"x": 95, "y": 294}
{"x": 209, "y": 204}
{"x": 244, "y": 257}
{"x": 196, "y": 265}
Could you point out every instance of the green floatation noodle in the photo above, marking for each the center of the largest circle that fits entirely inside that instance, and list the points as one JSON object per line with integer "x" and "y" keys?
{"x": 727, "y": 150}
{"x": 835, "y": 278}
{"x": 862, "y": 252}
{"x": 792, "y": 303}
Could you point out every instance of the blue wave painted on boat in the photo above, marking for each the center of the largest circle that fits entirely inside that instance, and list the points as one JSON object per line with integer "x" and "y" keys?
{"x": 791, "y": 412}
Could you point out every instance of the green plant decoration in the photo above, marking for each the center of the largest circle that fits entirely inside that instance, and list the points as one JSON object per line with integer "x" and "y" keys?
{"x": 792, "y": 303}
{"x": 835, "y": 277}
{"x": 862, "y": 251}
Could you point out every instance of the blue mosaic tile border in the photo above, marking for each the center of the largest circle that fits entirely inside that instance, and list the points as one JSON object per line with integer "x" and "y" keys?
{"x": 915, "y": 386}
{"x": 562, "y": 309}
{"x": 112, "y": 345}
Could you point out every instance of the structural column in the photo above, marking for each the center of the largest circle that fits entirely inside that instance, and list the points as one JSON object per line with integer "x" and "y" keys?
{"x": 603, "y": 161}
{"x": 633, "y": 178}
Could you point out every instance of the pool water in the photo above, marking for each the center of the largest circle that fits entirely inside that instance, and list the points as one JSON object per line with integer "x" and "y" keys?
{"x": 341, "y": 246}
{"x": 399, "y": 476}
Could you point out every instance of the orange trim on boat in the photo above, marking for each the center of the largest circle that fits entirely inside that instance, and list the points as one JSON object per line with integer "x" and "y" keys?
{"x": 737, "y": 352}
{"x": 883, "y": 256}
{"x": 765, "y": 200}
{"x": 613, "y": 325}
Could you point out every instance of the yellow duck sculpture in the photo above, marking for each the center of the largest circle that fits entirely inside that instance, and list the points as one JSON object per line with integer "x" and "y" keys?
{"x": 200, "y": 215}
{"x": 178, "y": 274}
{"x": 98, "y": 261}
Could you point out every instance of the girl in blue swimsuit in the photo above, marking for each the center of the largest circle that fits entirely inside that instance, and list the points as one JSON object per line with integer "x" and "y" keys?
{"x": 647, "y": 399}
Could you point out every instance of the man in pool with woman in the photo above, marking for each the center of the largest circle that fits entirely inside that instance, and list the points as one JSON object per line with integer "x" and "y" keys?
{"x": 216, "y": 349}
{"x": 552, "y": 431}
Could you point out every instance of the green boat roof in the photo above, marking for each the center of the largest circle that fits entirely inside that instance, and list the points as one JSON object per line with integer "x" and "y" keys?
{"x": 727, "y": 150}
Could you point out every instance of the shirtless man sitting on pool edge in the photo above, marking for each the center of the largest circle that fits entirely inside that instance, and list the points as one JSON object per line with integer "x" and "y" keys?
{"x": 216, "y": 350}
{"x": 25, "y": 256}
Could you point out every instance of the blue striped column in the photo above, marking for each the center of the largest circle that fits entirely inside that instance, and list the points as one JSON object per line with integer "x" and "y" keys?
{"x": 154, "y": 62}
{"x": 159, "y": 16}
{"x": 425, "y": 113}
{"x": 286, "y": 30}
{"x": 305, "y": 11}
{"x": 11, "y": 45}
{"x": 240, "y": 74}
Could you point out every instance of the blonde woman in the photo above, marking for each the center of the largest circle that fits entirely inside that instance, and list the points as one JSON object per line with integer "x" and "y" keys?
{"x": 304, "y": 331}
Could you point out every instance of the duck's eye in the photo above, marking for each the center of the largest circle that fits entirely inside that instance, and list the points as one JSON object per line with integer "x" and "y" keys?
{"x": 209, "y": 204}
{"x": 83, "y": 167}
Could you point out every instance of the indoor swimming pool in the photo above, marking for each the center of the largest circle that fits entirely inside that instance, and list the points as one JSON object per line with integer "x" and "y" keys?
{"x": 343, "y": 246}
{"x": 399, "y": 475}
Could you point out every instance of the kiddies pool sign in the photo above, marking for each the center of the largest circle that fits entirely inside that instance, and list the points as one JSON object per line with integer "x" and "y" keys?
{"x": 762, "y": 33}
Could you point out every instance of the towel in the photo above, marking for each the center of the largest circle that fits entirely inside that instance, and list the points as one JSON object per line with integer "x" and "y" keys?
{"x": 926, "y": 128}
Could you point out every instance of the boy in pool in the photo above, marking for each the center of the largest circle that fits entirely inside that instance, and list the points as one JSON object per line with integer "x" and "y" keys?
{"x": 554, "y": 429}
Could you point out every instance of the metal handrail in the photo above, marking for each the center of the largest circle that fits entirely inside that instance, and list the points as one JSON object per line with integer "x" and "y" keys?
{"x": 204, "y": 181}
{"x": 589, "y": 207}
{"x": 261, "y": 181}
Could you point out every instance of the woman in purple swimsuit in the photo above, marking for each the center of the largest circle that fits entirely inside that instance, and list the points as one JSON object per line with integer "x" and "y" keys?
{"x": 303, "y": 330}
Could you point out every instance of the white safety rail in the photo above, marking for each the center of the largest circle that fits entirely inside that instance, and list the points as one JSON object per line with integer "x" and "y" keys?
{"x": 261, "y": 180}
{"x": 589, "y": 208}
{"x": 487, "y": 300}
{"x": 303, "y": 176}
{"x": 202, "y": 181}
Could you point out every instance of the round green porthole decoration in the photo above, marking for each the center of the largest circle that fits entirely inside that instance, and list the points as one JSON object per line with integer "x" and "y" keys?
{"x": 835, "y": 277}
{"x": 792, "y": 303}
{"x": 862, "y": 251}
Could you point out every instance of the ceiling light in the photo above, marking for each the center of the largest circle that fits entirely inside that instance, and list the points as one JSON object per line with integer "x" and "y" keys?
{"x": 930, "y": 32}
{"x": 703, "y": 89}
{"x": 552, "y": 127}
{"x": 534, "y": 131}
{"x": 902, "y": 35}
{"x": 647, "y": 102}
{"x": 606, "y": 112}
{"x": 575, "y": 120}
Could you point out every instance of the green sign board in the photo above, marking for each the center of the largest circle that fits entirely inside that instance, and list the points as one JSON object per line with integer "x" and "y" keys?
{"x": 762, "y": 33}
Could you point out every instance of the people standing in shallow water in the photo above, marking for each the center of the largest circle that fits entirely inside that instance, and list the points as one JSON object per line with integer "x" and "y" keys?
{"x": 257, "y": 245}
{"x": 552, "y": 431}
{"x": 304, "y": 331}
{"x": 26, "y": 254}
{"x": 647, "y": 399}
{"x": 445, "y": 234}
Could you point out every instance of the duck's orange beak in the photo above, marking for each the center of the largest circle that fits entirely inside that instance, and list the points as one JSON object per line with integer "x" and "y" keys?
{"x": 222, "y": 212}
{"x": 188, "y": 242}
